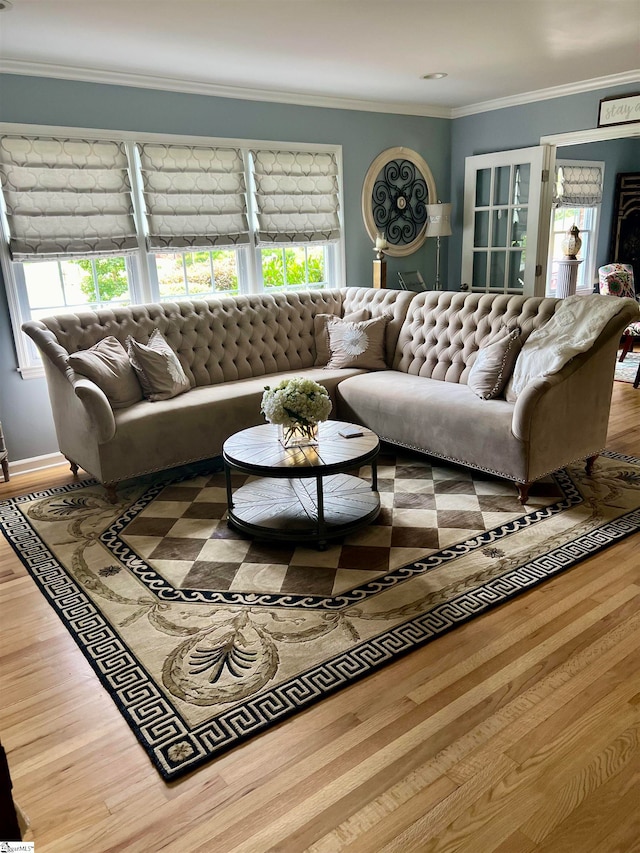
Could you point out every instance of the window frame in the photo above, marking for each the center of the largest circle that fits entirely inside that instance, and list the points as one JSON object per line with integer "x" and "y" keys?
{"x": 588, "y": 260}
{"x": 143, "y": 282}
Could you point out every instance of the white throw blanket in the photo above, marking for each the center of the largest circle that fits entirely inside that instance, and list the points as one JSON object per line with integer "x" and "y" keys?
{"x": 573, "y": 328}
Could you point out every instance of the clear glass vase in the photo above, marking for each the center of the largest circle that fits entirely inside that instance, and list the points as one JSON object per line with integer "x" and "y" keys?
{"x": 299, "y": 435}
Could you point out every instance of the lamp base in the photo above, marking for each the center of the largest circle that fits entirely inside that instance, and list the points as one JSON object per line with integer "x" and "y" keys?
{"x": 437, "y": 287}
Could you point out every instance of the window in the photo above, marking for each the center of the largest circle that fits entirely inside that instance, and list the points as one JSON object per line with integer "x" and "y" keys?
{"x": 577, "y": 198}
{"x": 93, "y": 219}
{"x": 196, "y": 274}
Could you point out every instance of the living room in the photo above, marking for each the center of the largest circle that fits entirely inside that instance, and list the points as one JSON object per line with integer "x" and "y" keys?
{"x": 350, "y": 747}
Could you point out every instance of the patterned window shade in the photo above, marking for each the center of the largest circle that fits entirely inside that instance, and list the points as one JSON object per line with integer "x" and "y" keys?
{"x": 195, "y": 197}
{"x": 296, "y": 197}
{"x": 577, "y": 186}
{"x": 66, "y": 197}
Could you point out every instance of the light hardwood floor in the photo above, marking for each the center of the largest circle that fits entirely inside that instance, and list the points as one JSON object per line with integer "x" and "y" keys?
{"x": 518, "y": 732}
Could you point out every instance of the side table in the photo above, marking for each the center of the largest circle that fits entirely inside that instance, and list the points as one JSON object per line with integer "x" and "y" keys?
{"x": 4, "y": 457}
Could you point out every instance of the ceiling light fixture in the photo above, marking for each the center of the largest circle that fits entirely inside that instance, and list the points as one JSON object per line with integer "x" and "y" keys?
{"x": 436, "y": 75}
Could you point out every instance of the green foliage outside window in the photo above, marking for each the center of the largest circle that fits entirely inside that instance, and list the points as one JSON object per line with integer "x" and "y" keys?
{"x": 112, "y": 283}
{"x": 198, "y": 267}
{"x": 111, "y": 274}
{"x": 273, "y": 269}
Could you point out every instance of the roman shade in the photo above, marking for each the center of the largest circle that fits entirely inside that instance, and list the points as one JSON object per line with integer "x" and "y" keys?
{"x": 195, "y": 197}
{"x": 66, "y": 197}
{"x": 577, "y": 186}
{"x": 296, "y": 197}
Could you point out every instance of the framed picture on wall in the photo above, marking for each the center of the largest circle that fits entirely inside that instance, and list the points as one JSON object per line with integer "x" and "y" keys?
{"x": 624, "y": 247}
{"x": 623, "y": 109}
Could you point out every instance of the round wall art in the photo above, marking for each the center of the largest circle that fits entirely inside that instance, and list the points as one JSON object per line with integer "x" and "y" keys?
{"x": 397, "y": 188}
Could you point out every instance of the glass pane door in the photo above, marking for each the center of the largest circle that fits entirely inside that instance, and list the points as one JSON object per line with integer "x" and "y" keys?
{"x": 501, "y": 214}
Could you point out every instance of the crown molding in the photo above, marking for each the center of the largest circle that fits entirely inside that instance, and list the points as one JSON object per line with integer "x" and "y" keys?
{"x": 547, "y": 94}
{"x": 194, "y": 87}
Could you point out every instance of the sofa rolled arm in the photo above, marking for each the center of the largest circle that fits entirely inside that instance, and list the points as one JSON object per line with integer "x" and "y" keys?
{"x": 594, "y": 383}
{"x": 527, "y": 401}
{"x": 97, "y": 406}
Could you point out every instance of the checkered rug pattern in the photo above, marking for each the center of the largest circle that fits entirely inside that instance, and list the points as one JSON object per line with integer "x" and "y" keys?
{"x": 182, "y": 532}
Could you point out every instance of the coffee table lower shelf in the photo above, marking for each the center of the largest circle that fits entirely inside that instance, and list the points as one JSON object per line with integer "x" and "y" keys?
{"x": 288, "y": 509}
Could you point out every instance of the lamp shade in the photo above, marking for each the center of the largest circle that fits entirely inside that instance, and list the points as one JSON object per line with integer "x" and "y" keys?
{"x": 438, "y": 220}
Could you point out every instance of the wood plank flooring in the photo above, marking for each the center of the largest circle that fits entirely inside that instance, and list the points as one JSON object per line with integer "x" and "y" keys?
{"x": 517, "y": 733}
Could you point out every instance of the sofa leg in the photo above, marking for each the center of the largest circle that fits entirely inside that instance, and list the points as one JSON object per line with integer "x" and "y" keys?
{"x": 72, "y": 466}
{"x": 111, "y": 490}
{"x": 523, "y": 492}
{"x": 589, "y": 464}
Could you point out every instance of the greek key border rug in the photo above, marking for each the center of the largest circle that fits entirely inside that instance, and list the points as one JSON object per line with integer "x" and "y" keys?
{"x": 204, "y": 637}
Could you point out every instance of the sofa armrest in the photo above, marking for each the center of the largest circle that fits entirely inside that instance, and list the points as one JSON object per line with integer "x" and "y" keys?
{"x": 98, "y": 408}
{"x": 48, "y": 345}
{"x": 93, "y": 399}
{"x": 564, "y": 417}
{"x": 532, "y": 396}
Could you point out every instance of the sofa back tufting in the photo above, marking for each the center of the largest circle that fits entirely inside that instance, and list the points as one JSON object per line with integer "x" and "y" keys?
{"x": 444, "y": 330}
{"x": 225, "y": 338}
{"x": 217, "y": 340}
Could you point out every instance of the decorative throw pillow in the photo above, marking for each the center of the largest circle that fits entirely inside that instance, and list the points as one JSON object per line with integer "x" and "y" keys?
{"x": 357, "y": 344}
{"x": 493, "y": 366}
{"x": 321, "y": 335}
{"x": 107, "y": 364}
{"x": 158, "y": 368}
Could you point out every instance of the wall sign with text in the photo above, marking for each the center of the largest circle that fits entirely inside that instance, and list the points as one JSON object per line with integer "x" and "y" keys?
{"x": 624, "y": 109}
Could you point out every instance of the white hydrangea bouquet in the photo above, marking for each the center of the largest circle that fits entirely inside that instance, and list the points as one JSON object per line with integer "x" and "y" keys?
{"x": 297, "y": 406}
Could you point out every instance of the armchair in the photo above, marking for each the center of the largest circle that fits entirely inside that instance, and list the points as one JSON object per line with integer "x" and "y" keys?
{"x": 617, "y": 280}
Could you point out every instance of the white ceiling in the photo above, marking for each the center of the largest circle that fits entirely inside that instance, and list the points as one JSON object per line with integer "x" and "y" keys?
{"x": 314, "y": 51}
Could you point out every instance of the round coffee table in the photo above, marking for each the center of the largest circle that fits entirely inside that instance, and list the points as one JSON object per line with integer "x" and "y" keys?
{"x": 284, "y": 502}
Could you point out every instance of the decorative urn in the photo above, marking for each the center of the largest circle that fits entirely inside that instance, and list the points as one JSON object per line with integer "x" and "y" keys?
{"x": 572, "y": 243}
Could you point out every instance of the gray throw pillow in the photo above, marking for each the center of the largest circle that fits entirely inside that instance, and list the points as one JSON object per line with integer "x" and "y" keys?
{"x": 493, "y": 366}
{"x": 158, "y": 368}
{"x": 107, "y": 364}
{"x": 357, "y": 344}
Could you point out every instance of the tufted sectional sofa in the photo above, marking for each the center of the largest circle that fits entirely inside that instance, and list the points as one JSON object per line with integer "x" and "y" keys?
{"x": 231, "y": 347}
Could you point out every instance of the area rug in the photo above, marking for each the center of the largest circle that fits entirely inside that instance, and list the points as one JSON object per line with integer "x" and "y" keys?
{"x": 627, "y": 370}
{"x": 204, "y": 637}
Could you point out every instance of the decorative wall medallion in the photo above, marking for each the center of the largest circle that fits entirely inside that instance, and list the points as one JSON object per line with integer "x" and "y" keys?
{"x": 396, "y": 190}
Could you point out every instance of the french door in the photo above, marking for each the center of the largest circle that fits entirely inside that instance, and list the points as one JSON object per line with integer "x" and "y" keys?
{"x": 507, "y": 205}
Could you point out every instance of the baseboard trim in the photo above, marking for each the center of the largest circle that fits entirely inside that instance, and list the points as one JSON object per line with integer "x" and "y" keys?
{"x": 36, "y": 463}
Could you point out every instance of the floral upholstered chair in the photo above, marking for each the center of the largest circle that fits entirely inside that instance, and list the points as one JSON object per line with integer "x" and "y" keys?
{"x": 617, "y": 280}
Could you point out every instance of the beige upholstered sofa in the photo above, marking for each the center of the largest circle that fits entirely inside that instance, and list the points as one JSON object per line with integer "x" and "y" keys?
{"x": 230, "y": 348}
{"x": 425, "y": 403}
